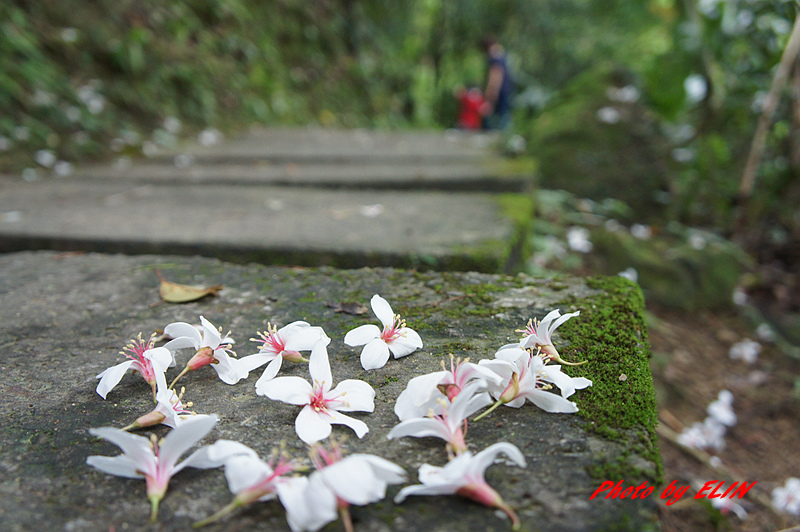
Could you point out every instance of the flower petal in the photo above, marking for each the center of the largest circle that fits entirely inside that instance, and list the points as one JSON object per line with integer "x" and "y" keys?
{"x": 244, "y": 471}
{"x": 218, "y": 454}
{"x": 182, "y": 437}
{"x": 300, "y": 336}
{"x": 434, "y": 482}
{"x": 232, "y": 370}
{"x": 384, "y": 469}
{"x": 420, "y": 427}
{"x": 375, "y": 354}
{"x": 292, "y": 390}
{"x": 420, "y": 395}
{"x": 111, "y": 377}
{"x": 408, "y": 342}
{"x": 181, "y": 329}
{"x": 226, "y": 368}
{"x": 312, "y": 426}
{"x": 309, "y": 503}
{"x": 355, "y": 396}
{"x": 270, "y": 371}
{"x": 486, "y": 457}
{"x": 382, "y": 310}
{"x": 556, "y": 324}
{"x": 119, "y": 466}
{"x": 362, "y": 335}
{"x": 358, "y": 426}
{"x": 319, "y": 366}
{"x": 352, "y": 479}
{"x": 136, "y": 448}
{"x": 211, "y": 335}
{"x": 460, "y": 409}
{"x": 550, "y": 402}
{"x": 567, "y": 385}
{"x": 512, "y": 353}
{"x": 161, "y": 356}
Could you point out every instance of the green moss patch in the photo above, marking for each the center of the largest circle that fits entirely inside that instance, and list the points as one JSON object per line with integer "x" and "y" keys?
{"x": 611, "y": 334}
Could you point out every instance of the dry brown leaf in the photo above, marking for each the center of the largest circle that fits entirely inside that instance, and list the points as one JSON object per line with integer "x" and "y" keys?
{"x": 181, "y": 293}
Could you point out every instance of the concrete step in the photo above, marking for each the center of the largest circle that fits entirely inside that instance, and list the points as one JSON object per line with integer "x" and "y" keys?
{"x": 64, "y": 318}
{"x": 287, "y": 196}
{"x": 487, "y": 175}
{"x": 282, "y": 145}
{"x": 274, "y": 225}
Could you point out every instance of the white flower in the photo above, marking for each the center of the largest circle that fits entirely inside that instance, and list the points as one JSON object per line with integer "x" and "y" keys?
{"x": 540, "y": 335}
{"x": 608, "y": 115}
{"x": 525, "y": 377}
{"x": 69, "y": 35}
{"x": 695, "y": 87}
{"x": 172, "y": 125}
{"x": 697, "y": 241}
{"x": 641, "y": 231}
{"x": 626, "y": 94}
{"x": 249, "y": 477}
{"x": 739, "y": 296}
{"x": 721, "y": 409}
{"x": 170, "y": 409}
{"x": 746, "y": 350}
{"x": 211, "y": 348}
{"x": 141, "y": 355}
{"x": 209, "y": 137}
{"x": 464, "y": 476}
{"x": 727, "y": 505}
{"x": 630, "y": 274}
{"x": 312, "y": 502}
{"x": 765, "y": 332}
{"x": 423, "y": 392}
{"x": 448, "y": 421}
{"x": 286, "y": 343}
{"x": 45, "y": 158}
{"x": 153, "y": 461}
{"x": 709, "y": 433}
{"x": 62, "y": 168}
{"x": 787, "y": 498}
{"x": 394, "y": 337}
{"x": 684, "y": 155}
{"x": 371, "y": 211}
{"x": 322, "y": 406}
{"x": 578, "y": 239}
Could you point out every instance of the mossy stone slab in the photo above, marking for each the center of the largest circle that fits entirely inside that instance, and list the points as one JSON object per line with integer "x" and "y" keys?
{"x": 64, "y": 318}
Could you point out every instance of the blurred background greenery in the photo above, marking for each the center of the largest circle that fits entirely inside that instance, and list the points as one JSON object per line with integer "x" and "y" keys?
{"x": 653, "y": 103}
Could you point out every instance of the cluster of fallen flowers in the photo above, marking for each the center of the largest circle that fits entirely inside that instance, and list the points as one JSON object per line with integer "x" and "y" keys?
{"x": 710, "y": 434}
{"x": 436, "y": 404}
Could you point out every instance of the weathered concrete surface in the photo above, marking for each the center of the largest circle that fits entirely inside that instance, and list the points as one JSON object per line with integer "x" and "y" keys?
{"x": 287, "y": 196}
{"x": 489, "y": 176}
{"x": 337, "y": 145}
{"x": 263, "y": 224}
{"x": 63, "y": 319}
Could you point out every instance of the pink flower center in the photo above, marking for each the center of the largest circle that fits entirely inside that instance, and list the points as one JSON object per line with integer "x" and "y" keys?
{"x": 392, "y": 332}
{"x": 274, "y": 343}
{"x": 318, "y": 401}
{"x": 135, "y": 351}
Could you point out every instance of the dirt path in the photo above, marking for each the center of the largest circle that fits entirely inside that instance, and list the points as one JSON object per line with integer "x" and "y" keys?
{"x": 691, "y": 364}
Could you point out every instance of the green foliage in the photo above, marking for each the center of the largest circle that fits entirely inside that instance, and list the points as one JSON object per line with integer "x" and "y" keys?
{"x": 75, "y": 75}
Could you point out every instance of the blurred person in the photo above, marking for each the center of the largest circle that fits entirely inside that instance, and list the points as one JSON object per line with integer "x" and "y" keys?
{"x": 497, "y": 108}
{"x": 471, "y": 102}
